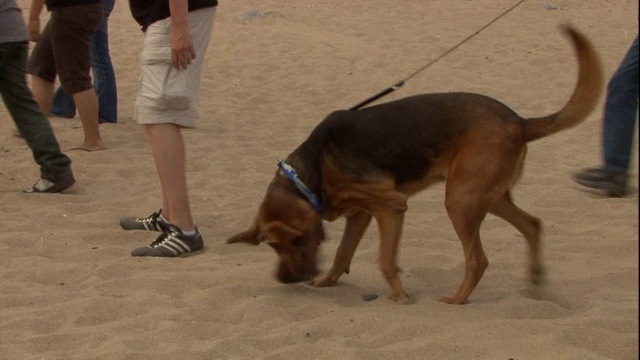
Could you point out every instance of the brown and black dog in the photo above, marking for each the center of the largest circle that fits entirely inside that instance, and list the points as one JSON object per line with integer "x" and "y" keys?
{"x": 365, "y": 164}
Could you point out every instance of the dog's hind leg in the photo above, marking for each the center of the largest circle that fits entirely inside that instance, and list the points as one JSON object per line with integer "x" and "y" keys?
{"x": 477, "y": 178}
{"x": 530, "y": 226}
{"x": 466, "y": 211}
{"x": 354, "y": 230}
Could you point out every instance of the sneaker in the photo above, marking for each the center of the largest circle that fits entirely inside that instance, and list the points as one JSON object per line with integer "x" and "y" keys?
{"x": 172, "y": 243}
{"x": 58, "y": 115}
{"x": 614, "y": 184}
{"x": 153, "y": 222}
{"x": 46, "y": 186}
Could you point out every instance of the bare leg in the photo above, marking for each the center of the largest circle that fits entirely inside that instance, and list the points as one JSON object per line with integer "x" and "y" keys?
{"x": 87, "y": 105}
{"x": 169, "y": 154}
{"x": 42, "y": 93}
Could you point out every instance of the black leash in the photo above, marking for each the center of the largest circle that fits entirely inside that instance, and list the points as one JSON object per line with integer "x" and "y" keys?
{"x": 401, "y": 82}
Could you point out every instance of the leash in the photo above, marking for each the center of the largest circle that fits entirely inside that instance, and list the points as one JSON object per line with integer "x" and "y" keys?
{"x": 400, "y": 83}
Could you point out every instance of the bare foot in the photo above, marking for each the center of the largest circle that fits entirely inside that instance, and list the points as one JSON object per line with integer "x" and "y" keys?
{"x": 88, "y": 148}
{"x": 451, "y": 300}
{"x": 400, "y": 298}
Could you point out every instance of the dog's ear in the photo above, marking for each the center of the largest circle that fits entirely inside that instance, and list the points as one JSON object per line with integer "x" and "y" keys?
{"x": 279, "y": 235}
{"x": 248, "y": 237}
{"x": 278, "y": 231}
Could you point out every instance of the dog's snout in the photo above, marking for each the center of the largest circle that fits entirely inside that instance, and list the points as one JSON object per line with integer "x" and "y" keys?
{"x": 291, "y": 277}
{"x": 288, "y": 278}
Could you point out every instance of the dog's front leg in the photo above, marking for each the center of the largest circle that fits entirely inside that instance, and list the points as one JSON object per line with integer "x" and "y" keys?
{"x": 355, "y": 227}
{"x": 390, "y": 223}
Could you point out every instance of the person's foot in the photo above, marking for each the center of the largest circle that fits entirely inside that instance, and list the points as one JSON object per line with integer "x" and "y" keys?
{"x": 172, "y": 243}
{"x": 46, "y": 186}
{"x": 153, "y": 222}
{"x": 54, "y": 114}
{"x": 89, "y": 147}
{"x": 612, "y": 183}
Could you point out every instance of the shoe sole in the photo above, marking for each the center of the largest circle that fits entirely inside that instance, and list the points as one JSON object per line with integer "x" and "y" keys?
{"x": 184, "y": 255}
{"x": 52, "y": 190}
{"x": 598, "y": 185}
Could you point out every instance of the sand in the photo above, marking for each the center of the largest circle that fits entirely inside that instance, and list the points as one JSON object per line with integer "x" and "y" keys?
{"x": 69, "y": 288}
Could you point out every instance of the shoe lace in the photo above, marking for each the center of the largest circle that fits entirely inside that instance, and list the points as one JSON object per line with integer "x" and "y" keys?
{"x": 153, "y": 218}
{"x": 169, "y": 230}
{"x": 155, "y": 221}
{"x": 160, "y": 240}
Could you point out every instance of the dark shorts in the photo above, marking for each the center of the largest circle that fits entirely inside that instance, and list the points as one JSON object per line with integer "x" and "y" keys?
{"x": 64, "y": 47}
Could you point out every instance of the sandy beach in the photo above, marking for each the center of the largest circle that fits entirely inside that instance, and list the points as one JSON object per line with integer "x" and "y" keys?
{"x": 69, "y": 288}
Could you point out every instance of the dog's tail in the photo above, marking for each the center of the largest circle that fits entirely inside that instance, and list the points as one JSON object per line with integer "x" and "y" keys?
{"x": 585, "y": 95}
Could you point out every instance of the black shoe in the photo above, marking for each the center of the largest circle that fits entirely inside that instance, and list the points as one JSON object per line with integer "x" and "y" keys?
{"x": 152, "y": 222}
{"x": 613, "y": 184}
{"x": 172, "y": 243}
{"x": 55, "y": 114}
{"x": 46, "y": 186}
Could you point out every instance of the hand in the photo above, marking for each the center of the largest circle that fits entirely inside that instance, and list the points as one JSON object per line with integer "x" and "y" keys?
{"x": 182, "y": 50}
{"x": 34, "y": 29}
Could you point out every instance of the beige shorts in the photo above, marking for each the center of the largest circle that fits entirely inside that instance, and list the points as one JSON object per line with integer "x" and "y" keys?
{"x": 167, "y": 95}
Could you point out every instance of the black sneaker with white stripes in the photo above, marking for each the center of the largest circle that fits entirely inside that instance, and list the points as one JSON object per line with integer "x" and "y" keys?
{"x": 153, "y": 222}
{"x": 172, "y": 243}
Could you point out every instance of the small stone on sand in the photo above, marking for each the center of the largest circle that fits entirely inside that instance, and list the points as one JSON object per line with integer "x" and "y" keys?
{"x": 369, "y": 297}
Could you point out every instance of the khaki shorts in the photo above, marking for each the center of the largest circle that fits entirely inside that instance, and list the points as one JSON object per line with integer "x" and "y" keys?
{"x": 167, "y": 95}
{"x": 64, "y": 47}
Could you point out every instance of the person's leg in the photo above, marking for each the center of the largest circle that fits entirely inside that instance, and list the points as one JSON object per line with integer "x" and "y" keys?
{"x": 104, "y": 78}
{"x": 166, "y": 139}
{"x": 166, "y": 103}
{"x": 87, "y": 105}
{"x": 42, "y": 92}
{"x": 41, "y": 66}
{"x": 169, "y": 155}
{"x": 55, "y": 167}
{"x": 620, "y": 118}
{"x": 179, "y": 236}
{"x": 62, "y": 104}
{"x": 71, "y": 31}
{"x": 620, "y": 113}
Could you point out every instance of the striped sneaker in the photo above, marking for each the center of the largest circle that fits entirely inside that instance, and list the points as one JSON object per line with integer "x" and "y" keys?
{"x": 153, "y": 222}
{"x": 172, "y": 243}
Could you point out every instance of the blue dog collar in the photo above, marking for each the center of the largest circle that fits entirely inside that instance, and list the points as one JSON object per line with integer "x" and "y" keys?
{"x": 291, "y": 173}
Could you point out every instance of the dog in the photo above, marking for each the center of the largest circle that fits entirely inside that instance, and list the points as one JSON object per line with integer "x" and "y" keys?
{"x": 366, "y": 164}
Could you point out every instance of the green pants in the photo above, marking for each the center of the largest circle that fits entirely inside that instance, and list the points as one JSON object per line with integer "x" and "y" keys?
{"x": 33, "y": 126}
